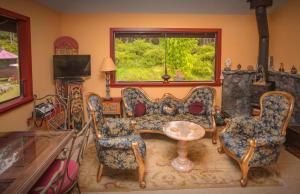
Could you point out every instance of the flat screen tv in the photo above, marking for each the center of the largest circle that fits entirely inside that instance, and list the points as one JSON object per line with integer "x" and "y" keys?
{"x": 71, "y": 66}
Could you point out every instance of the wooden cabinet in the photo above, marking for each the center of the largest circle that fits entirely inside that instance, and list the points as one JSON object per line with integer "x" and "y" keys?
{"x": 293, "y": 140}
{"x": 112, "y": 107}
{"x": 72, "y": 90}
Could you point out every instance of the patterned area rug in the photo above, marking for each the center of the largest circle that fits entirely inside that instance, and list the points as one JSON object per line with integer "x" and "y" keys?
{"x": 211, "y": 169}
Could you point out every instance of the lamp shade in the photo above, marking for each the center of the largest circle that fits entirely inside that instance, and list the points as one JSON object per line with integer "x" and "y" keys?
{"x": 107, "y": 65}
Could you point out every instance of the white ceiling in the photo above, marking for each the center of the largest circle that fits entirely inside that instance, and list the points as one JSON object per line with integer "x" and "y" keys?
{"x": 154, "y": 6}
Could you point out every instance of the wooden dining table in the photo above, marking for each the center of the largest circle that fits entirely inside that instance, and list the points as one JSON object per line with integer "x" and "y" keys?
{"x": 25, "y": 156}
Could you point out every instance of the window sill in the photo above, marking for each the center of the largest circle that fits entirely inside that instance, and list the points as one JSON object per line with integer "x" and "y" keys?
{"x": 15, "y": 103}
{"x": 161, "y": 84}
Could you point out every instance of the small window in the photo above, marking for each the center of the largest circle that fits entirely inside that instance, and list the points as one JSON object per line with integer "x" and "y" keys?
{"x": 187, "y": 56}
{"x": 15, "y": 60}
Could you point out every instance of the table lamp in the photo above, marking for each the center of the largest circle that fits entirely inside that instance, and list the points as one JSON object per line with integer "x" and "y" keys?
{"x": 107, "y": 67}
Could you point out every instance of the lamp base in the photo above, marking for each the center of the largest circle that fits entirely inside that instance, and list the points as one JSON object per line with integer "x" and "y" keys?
{"x": 107, "y": 97}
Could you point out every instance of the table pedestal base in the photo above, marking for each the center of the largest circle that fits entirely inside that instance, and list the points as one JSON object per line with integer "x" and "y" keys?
{"x": 182, "y": 163}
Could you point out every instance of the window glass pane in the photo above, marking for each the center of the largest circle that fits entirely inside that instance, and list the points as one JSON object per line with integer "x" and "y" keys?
{"x": 187, "y": 56}
{"x": 139, "y": 58}
{"x": 191, "y": 59}
{"x": 9, "y": 63}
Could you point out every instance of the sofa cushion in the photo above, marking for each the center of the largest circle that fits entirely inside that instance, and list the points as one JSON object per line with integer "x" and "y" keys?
{"x": 204, "y": 95}
{"x": 169, "y": 109}
{"x": 157, "y": 121}
{"x": 202, "y": 120}
{"x": 139, "y": 109}
{"x": 196, "y": 108}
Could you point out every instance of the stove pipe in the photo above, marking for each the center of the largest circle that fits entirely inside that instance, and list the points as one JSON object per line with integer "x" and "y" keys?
{"x": 262, "y": 25}
{"x": 260, "y": 7}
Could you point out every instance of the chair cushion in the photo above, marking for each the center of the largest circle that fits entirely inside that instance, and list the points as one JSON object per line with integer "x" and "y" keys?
{"x": 238, "y": 145}
{"x": 52, "y": 171}
{"x": 121, "y": 142}
{"x": 139, "y": 109}
{"x": 235, "y": 143}
{"x": 118, "y": 126}
{"x": 157, "y": 121}
{"x": 117, "y": 152}
{"x": 196, "y": 108}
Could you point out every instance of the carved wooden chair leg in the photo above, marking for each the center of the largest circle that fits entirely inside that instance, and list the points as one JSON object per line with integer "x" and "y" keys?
{"x": 99, "y": 172}
{"x": 214, "y": 127}
{"x": 214, "y": 137}
{"x": 245, "y": 162}
{"x": 141, "y": 164}
{"x": 275, "y": 168}
{"x": 244, "y": 179}
{"x": 221, "y": 149}
{"x": 142, "y": 176}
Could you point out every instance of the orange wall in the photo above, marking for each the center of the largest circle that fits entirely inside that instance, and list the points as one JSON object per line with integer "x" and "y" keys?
{"x": 239, "y": 42}
{"x": 45, "y": 28}
{"x": 239, "y": 39}
{"x": 285, "y": 35}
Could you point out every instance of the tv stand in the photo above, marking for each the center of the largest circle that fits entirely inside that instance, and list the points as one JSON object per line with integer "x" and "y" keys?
{"x": 71, "y": 90}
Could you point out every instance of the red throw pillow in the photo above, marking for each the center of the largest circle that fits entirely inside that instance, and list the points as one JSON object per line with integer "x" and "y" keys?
{"x": 139, "y": 109}
{"x": 196, "y": 108}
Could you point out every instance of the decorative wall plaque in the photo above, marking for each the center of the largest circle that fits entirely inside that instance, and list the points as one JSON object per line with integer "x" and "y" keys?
{"x": 65, "y": 45}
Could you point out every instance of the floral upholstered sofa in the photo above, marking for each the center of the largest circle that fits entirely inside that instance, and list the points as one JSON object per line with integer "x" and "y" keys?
{"x": 151, "y": 115}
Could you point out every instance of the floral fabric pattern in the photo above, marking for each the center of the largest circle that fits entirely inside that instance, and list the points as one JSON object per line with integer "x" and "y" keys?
{"x": 172, "y": 102}
{"x": 275, "y": 109}
{"x": 266, "y": 132}
{"x": 247, "y": 126}
{"x": 156, "y": 117}
{"x": 204, "y": 95}
{"x": 118, "y": 127}
{"x": 118, "y": 158}
{"x": 114, "y": 147}
{"x": 95, "y": 103}
{"x": 131, "y": 96}
{"x": 263, "y": 155}
{"x": 157, "y": 121}
{"x": 117, "y": 152}
{"x": 124, "y": 142}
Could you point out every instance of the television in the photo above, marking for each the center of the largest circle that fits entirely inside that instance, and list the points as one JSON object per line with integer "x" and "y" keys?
{"x": 71, "y": 66}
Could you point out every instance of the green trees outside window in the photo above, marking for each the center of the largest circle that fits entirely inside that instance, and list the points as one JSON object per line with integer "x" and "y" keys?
{"x": 142, "y": 57}
{"x": 15, "y": 60}
{"x": 9, "y": 66}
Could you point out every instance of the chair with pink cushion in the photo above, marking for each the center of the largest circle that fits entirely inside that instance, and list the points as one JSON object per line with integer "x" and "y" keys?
{"x": 63, "y": 174}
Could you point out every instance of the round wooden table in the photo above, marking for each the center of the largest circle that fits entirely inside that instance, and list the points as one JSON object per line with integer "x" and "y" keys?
{"x": 183, "y": 131}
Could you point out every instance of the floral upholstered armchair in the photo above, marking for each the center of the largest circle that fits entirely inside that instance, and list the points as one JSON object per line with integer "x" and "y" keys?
{"x": 116, "y": 144}
{"x": 256, "y": 142}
